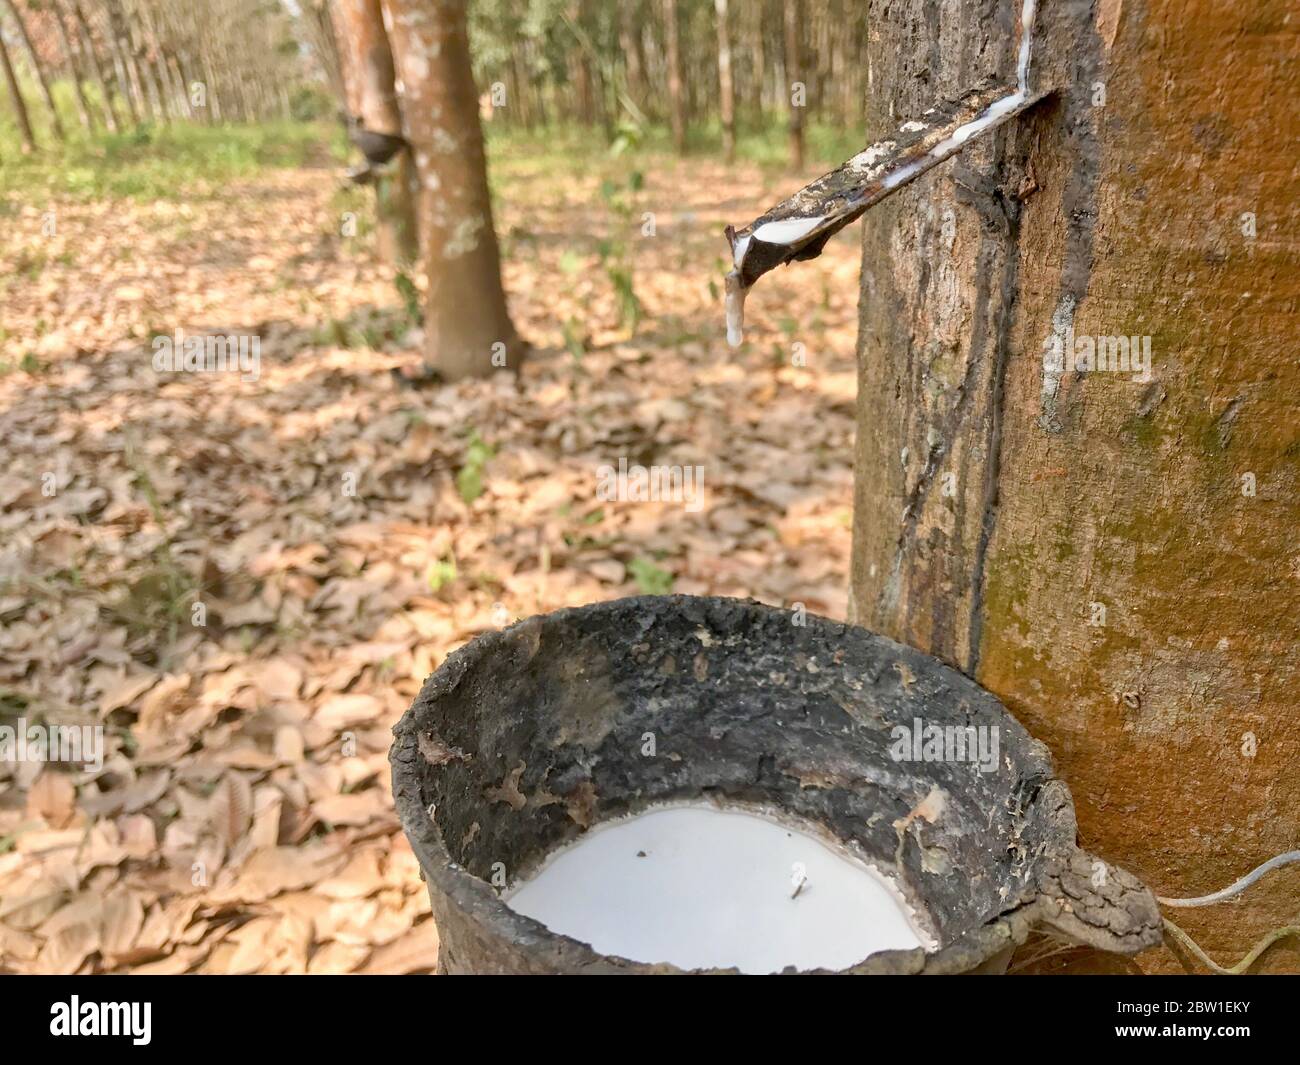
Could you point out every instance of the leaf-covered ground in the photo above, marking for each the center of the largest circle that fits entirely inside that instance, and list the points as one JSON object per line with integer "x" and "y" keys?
{"x": 339, "y": 532}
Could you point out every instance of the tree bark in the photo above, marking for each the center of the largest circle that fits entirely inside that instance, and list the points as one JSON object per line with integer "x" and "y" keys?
{"x": 629, "y": 39}
{"x": 56, "y": 123}
{"x": 118, "y": 67}
{"x": 1115, "y": 558}
{"x": 210, "y": 79}
{"x": 795, "y": 91}
{"x": 726, "y": 86}
{"x": 74, "y": 67}
{"x": 673, "y": 58}
{"x": 19, "y": 104}
{"x": 96, "y": 71}
{"x": 467, "y": 330}
{"x": 143, "y": 100}
{"x": 370, "y": 65}
{"x": 183, "y": 104}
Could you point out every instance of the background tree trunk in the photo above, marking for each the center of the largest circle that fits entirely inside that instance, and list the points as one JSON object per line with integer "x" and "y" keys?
{"x": 630, "y": 31}
{"x": 370, "y": 66}
{"x": 118, "y": 67}
{"x": 466, "y": 324}
{"x": 1086, "y": 545}
{"x": 793, "y": 16}
{"x": 19, "y": 104}
{"x": 56, "y": 123}
{"x": 74, "y": 67}
{"x": 726, "y": 86}
{"x": 673, "y": 58}
{"x": 96, "y": 71}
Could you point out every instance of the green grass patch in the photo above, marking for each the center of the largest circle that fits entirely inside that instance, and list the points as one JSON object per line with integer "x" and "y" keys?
{"x": 568, "y": 148}
{"x": 179, "y": 161}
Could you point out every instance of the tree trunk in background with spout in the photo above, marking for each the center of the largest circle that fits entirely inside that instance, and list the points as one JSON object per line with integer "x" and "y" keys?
{"x": 467, "y": 330}
{"x": 1117, "y": 559}
{"x": 370, "y": 76}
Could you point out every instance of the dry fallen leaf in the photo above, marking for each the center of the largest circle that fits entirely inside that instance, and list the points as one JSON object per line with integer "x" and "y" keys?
{"x": 52, "y": 799}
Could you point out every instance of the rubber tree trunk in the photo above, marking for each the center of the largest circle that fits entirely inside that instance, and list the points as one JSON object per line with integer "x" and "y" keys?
{"x": 370, "y": 65}
{"x": 119, "y": 71}
{"x": 726, "y": 86}
{"x": 796, "y": 92}
{"x": 122, "y": 79}
{"x": 467, "y": 330}
{"x": 143, "y": 103}
{"x": 56, "y": 123}
{"x": 19, "y": 104}
{"x": 96, "y": 71}
{"x": 163, "y": 74}
{"x": 1111, "y": 554}
{"x": 673, "y": 59}
{"x": 182, "y": 87}
{"x": 74, "y": 67}
{"x": 210, "y": 79}
{"x": 630, "y": 27}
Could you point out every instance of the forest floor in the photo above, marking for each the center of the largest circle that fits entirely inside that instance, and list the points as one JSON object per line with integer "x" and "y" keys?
{"x": 246, "y": 581}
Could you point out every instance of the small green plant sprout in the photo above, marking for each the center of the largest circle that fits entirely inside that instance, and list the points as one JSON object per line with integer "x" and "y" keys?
{"x": 469, "y": 481}
{"x": 650, "y": 579}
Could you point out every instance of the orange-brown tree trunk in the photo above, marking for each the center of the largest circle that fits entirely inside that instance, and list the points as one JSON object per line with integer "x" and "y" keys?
{"x": 468, "y": 332}
{"x": 1113, "y": 553}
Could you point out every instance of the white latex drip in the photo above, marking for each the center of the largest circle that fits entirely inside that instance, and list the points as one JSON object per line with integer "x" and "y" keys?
{"x": 736, "y": 293}
{"x": 738, "y": 253}
{"x": 1026, "y": 45}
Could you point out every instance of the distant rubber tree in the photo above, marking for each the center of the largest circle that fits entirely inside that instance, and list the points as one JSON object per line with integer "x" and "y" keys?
{"x": 673, "y": 59}
{"x": 96, "y": 70}
{"x": 726, "y": 84}
{"x": 467, "y": 330}
{"x": 72, "y": 59}
{"x": 794, "y": 87}
{"x": 19, "y": 104}
{"x": 38, "y": 66}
